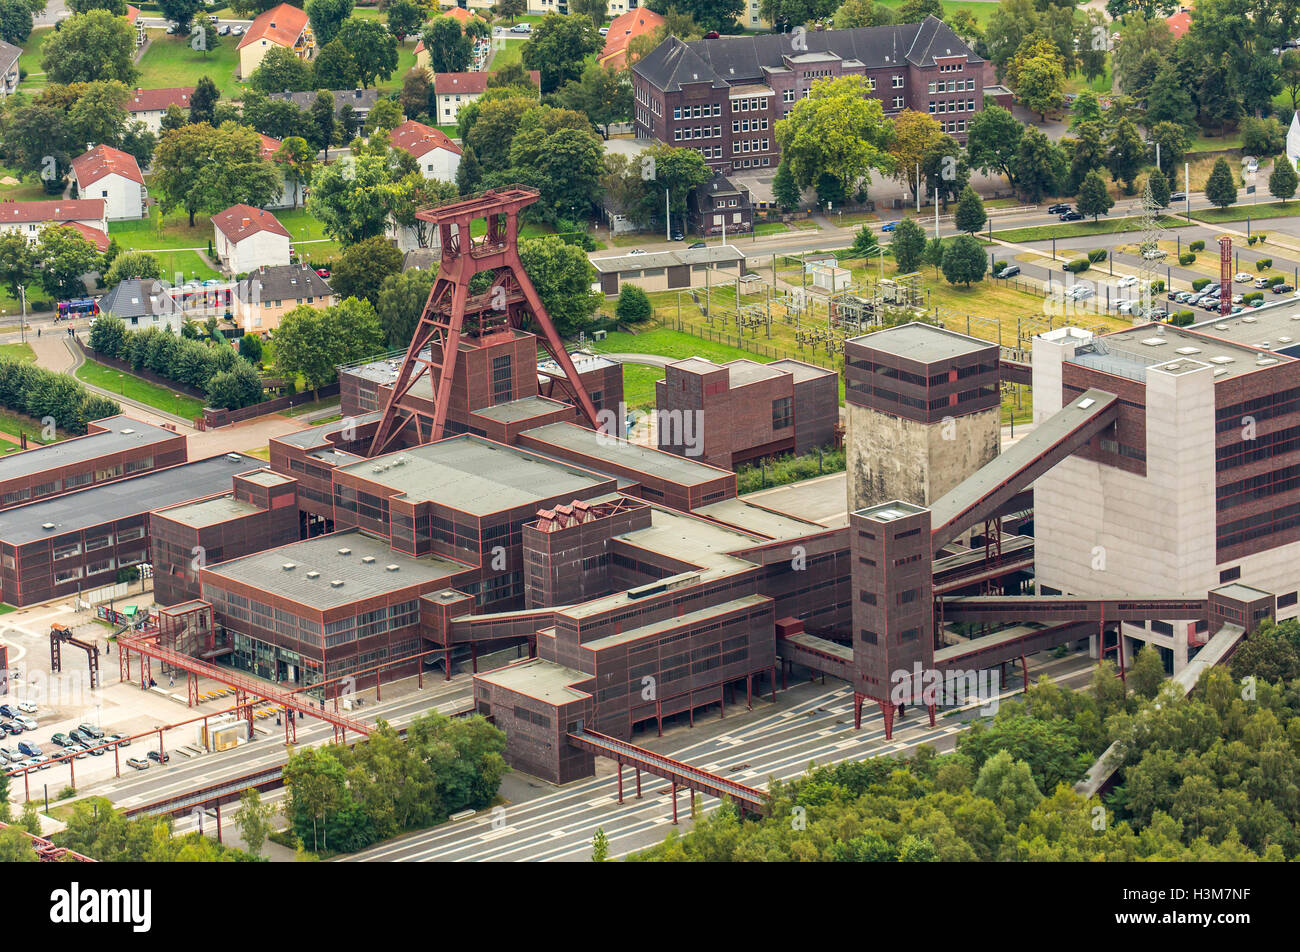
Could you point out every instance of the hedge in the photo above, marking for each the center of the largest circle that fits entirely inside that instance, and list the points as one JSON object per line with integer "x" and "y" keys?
{"x": 1196, "y": 246}
{"x": 1078, "y": 265}
{"x": 1097, "y": 255}
{"x": 1263, "y": 264}
{"x": 1186, "y": 258}
{"x": 1157, "y": 286}
{"x": 39, "y": 393}
{"x": 1182, "y": 318}
{"x": 1276, "y": 280}
{"x": 1200, "y": 283}
{"x": 1252, "y": 296}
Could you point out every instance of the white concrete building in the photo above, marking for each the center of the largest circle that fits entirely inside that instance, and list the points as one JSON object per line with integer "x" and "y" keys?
{"x": 114, "y": 176}
{"x": 437, "y": 155}
{"x": 248, "y": 238}
{"x": 150, "y": 105}
{"x": 86, "y": 215}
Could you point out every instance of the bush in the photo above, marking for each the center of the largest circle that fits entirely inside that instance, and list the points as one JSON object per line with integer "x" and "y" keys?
{"x": 633, "y": 304}
{"x": 1263, "y": 264}
{"x": 1182, "y": 318}
{"x": 1078, "y": 265}
{"x": 999, "y": 265}
{"x": 789, "y": 469}
{"x": 1262, "y": 238}
{"x": 39, "y": 393}
{"x": 1276, "y": 280}
{"x": 1252, "y": 239}
{"x": 1196, "y": 246}
{"x": 1186, "y": 258}
{"x": 1157, "y": 287}
{"x": 1097, "y": 255}
{"x": 1200, "y": 283}
{"x": 1252, "y": 296}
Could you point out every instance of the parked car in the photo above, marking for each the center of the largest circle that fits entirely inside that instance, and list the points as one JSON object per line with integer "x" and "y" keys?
{"x": 8, "y": 710}
{"x": 91, "y": 730}
{"x": 1178, "y": 197}
{"x": 62, "y": 739}
{"x": 1261, "y": 283}
{"x": 223, "y": 30}
{"x": 1237, "y": 309}
{"x": 637, "y": 251}
{"x": 1072, "y": 216}
{"x": 1010, "y": 271}
{"x": 322, "y": 272}
{"x": 139, "y": 763}
{"x": 118, "y": 740}
{"x": 1182, "y": 297}
{"x": 1282, "y": 289}
{"x": 78, "y": 736}
{"x": 30, "y": 748}
{"x": 1238, "y": 299}
{"x": 604, "y": 31}
{"x": 1243, "y": 277}
{"x": 1060, "y": 208}
{"x": 237, "y": 30}
{"x": 889, "y": 226}
{"x": 8, "y": 754}
{"x": 77, "y": 751}
{"x": 698, "y": 244}
{"x": 1128, "y": 281}
{"x": 13, "y": 728}
{"x": 678, "y": 236}
{"x": 27, "y": 722}
{"x": 27, "y": 707}
{"x": 1124, "y": 307}
{"x": 1083, "y": 293}
{"x": 157, "y": 757}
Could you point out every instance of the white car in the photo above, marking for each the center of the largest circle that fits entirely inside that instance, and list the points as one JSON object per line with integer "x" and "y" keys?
{"x": 604, "y": 31}
{"x": 1243, "y": 277}
{"x": 27, "y": 707}
{"x": 636, "y": 251}
{"x": 29, "y": 724}
{"x": 1127, "y": 281}
{"x": 1124, "y": 307}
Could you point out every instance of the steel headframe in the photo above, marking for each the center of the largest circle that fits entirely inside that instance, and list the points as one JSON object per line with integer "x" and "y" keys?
{"x": 451, "y": 313}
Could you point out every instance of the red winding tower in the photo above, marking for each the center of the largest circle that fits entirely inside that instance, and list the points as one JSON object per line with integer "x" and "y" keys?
{"x": 451, "y": 312}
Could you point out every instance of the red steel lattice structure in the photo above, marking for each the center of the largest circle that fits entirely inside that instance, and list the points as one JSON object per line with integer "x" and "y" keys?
{"x": 451, "y": 313}
{"x": 1225, "y": 274}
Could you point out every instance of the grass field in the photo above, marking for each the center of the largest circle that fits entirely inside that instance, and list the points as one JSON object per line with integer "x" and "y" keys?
{"x": 15, "y": 423}
{"x": 169, "y": 61}
{"x": 187, "y": 263}
{"x": 1204, "y": 143}
{"x": 172, "y": 231}
{"x": 1216, "y": 216}
{"x": 1075, "y": 229}
{"x": 22, "y": 352}
{"x": 31, "y": 60}
{"x": 513, "y": 53}
{"x": 141, "y": 391}
{"x": 20, "y": 190}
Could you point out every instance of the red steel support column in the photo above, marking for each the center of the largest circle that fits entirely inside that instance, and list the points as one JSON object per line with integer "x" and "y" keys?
{"x": 931, "y": 715}
{"x": 674, "y": 803}
{"x": 887, "y": 711}
{"x": 659, "y": 716}
{"x": 638, "y": 783}
{"x": 446, "y": 663}
{"x": 620, "y": 781}
{"x": 1024, "y": 672}
{"x": 749, "y": 693}
{"x": 857, "y": 711}
{"x": 218, "y": 821}
{"x": 117, "y": 762}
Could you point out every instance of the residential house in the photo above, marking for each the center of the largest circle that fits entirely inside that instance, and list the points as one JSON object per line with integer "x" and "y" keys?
{"x": 86, "y": 215}
{"x": 150, "y": 105}
{"x": 133, "y": 18}
{"x": 453, "y": 90}
{"x": 145, "y": 303}
{"x": 8, "y": 68}
{"x": 291, "y": 192}
{"x": 720, "y": 207}
{"x": 626, "y": 28}
{"x": 724, "y": 96}
{"x": 437, "y": 155}
{"x": 361, "y": 100}
{"x": 248, "y": 238}
{"x": 285, "y": 26}
{"x": 269, "y": 293}
{"x": 114, "y": 176}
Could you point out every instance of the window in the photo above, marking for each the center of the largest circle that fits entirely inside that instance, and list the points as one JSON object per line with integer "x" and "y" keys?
{"x": 501, "y": 383}
{"x": 898, "y": 102}
{"x": 1286, "y": 601}
{"x": 898, "y": 82}
{"x": 1230, "y": 575}
{"x": 782, "y": 413}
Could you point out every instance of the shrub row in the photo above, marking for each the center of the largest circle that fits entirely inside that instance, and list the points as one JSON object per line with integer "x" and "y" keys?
{"x": 40, "y": 393}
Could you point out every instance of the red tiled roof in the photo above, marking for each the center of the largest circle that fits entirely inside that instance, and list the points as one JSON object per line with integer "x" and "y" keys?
{"x": 623, "y": 30}
{"x": 280, "y": 25}
{"x": 132, "y": 13}
{"x": 471, "y": 84}
{"x": 270, "y": 146}
{"x": 461, "y": 14}
{"x": 419, "y": 139}
{"x": 1179, "y": 23}
{"x": 157, "y": 100}
{"x": 241, "y": 221}
{"x": 104, "y": 160}
{"x": 96, "y": 237}
{"x": 55, "y": 210}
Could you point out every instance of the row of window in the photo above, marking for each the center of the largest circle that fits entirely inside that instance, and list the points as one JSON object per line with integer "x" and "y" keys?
{"x": 952, "y": 86}
{"x": 749, "y": 145}
{"x": 748, "y": 125}
{"x": 755, "y": 104}
{"x": 952, "y": 105}
{"x": 751, "y": 163}
{"x": 697, "y": 112}
{"x": 697, "y": 132}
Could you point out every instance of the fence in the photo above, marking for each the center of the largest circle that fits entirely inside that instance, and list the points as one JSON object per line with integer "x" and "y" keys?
{"x": 738, "y": 340}
{"x": 212, "y": 419}
{"x": 116, "y": 363}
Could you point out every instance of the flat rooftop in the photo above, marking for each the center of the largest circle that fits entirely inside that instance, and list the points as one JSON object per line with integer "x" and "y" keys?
{"x": 761, "y": 521}
{"x": 476, "y": 476}
{"x": 1275, "y": 327}
{"x": 267, "y": 478}
{"x": 542, "y": 680}
{"x": 210, "y": 511}
{"x": 109, "y": 502}
{"x": 523, "y": 409}
{"x": 923, "y": 343}
{"x": 641, "y": 459}
{"x": 1132, "y": 351}
{"x": 714, "y": 254}
{"x": 123, "y": 434}
{"x": 315, "y": 435}
{"x": 583, "y": 362}
{"x": 361, "y": 580}
{"x": 677, "y": 621}
{"x": 1244, "y": 593}
{"x": 800, "y": 370}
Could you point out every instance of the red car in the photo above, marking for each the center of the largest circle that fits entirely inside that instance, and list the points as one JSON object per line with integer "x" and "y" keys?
{"x": 323, "y": 272}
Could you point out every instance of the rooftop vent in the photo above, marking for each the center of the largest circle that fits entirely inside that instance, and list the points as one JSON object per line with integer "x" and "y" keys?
{"x": 345, "y": 551}
{"x": 1284, "y": 340}
{"x": 392, "y": 567}
{"x": 367, "y": 559}
{"x": 128, "y": 431}
{"x": 234, "y": 457}
{"x": 1153, "y": 341}
{"x": 47, "y": 526}
{"x": 1220, "y": 372}
{"x": 1265, "y": 361}
{"x": 1220, "y": 327}
{"x": 337, "y": 583}
{"x": 1222, "y": 359}
{"x": 289, "y": 566}
{"x": 1248, "y": 320}
{"x": 1086, "y": 403}
{"x": 313, "y": 574}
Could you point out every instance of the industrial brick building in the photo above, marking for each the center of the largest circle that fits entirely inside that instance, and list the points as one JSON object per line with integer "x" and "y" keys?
{"x": 724, "y": 96}
{"x": 924, "y": 412}
{"x": 728, "y": 414}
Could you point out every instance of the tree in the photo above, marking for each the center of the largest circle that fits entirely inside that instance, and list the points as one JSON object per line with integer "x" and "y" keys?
{"x": 1147, "y": 673}
{"x": 596, "y": 10}
{"x": 512, "y": 74}
{"x": 362, "y": 268}
{"x": 240, "y": 386}
{"x": 633, "y": 305}
{"x": 19, "y": 265}
{"x": 296, "y": 160}
{"x": 173, "y": 118}
{"x": 384, "y": 117}
{"x": 372, "y": 46}
{"x": 1010, "y": 783}
{"x": 1125, "y": 154}
{"x": 132, "y": 264}
{"x": 865, "y": 244}
{"x": 914, "y": 134}
{"x": 15, "y": 21}
{"x": 599, "y": 846}
{"x": 401, "y": 300}
{"x": 469, "y": 173}
{"x": 964, "y": 260}
{"x": 417, "y": 86}
{"x": 250, "y": 348}
{"x": 99, "y": 113}
{"x": 327, "y": 18}
{"x": 1039, "y": 77}
{"x": 993, "y": 140}
{"x": 1094, "y": 199}
{"x": 489, "y": 124}
{"x": 908, "y": 246}
{"x": 182, "y": 12}
{"x": 678, "y": 171}
{"x": 254, "y": 818}
{"x": 839, "y": 129}
{"x": 1220, "y": 188}
{"x": 1282, "y": 181}
{"x": 970, "y": 215}
{"x": 352, "y": 200}
{"x": 199, "y": 168}
{"x": 785, "y": 192}
{"x": 1289, "y": 76}
{"x": 557, "y": 48}
{"x": 1159, "y": 188}
{"x": 855, "y": 13}
{"x": 914, "y": 11}
{"x": 1168, "y": 99}
{"x": 404, "y": 19}
{"x": 336, "y": 67}
{"x": 603, "y": 94}
{"x": 282, "y": 71}
{"x": 88, "y": 47}
{"x": 203, "y": 101}
{"x": 1172, "y": 141}
{"x": 1093, "y": 44}
{"x": 711, "y": 14}
{"x": 1039, "y": 164}
{"x": 1262, "y": 137}
{"x": 933, "y": 256}
{"x": 510, "y": 10}
{"x": 37, "y": 140}
{"x": 563, "y": 277}
{"x": 322, "y": 118}
{"x": 566, "y": 158}
{"x": 66, "y": 257}
{"x": 943, "y": 165}
{"x": 449, "y": 49}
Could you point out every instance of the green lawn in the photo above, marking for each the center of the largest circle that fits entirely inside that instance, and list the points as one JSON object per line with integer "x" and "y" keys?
{"x": 15, "y": 423}
{"x": 639, "y": 385}
{"x": 670, "y": 343}
{"x": 1204, "y": 143}
{"x": 771, "y": 228}
{"x": 513, "y": 53}
{"x": 1075, "y": 229}
{"x": 187, "y": 263}
{"x": 20, "y": 191}
{"x": 6, "y": 608}
{"x": 300, "y": 225}
{"x": 169, "y": 61}
{"x": 141, "y": 391}
{"x": 1216, "y": 216}
{"x": 172, "y": 231}
{"x": 31, "y": 60}
{"x": 19, "y": 351}
{"x": 981, "y": 10}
